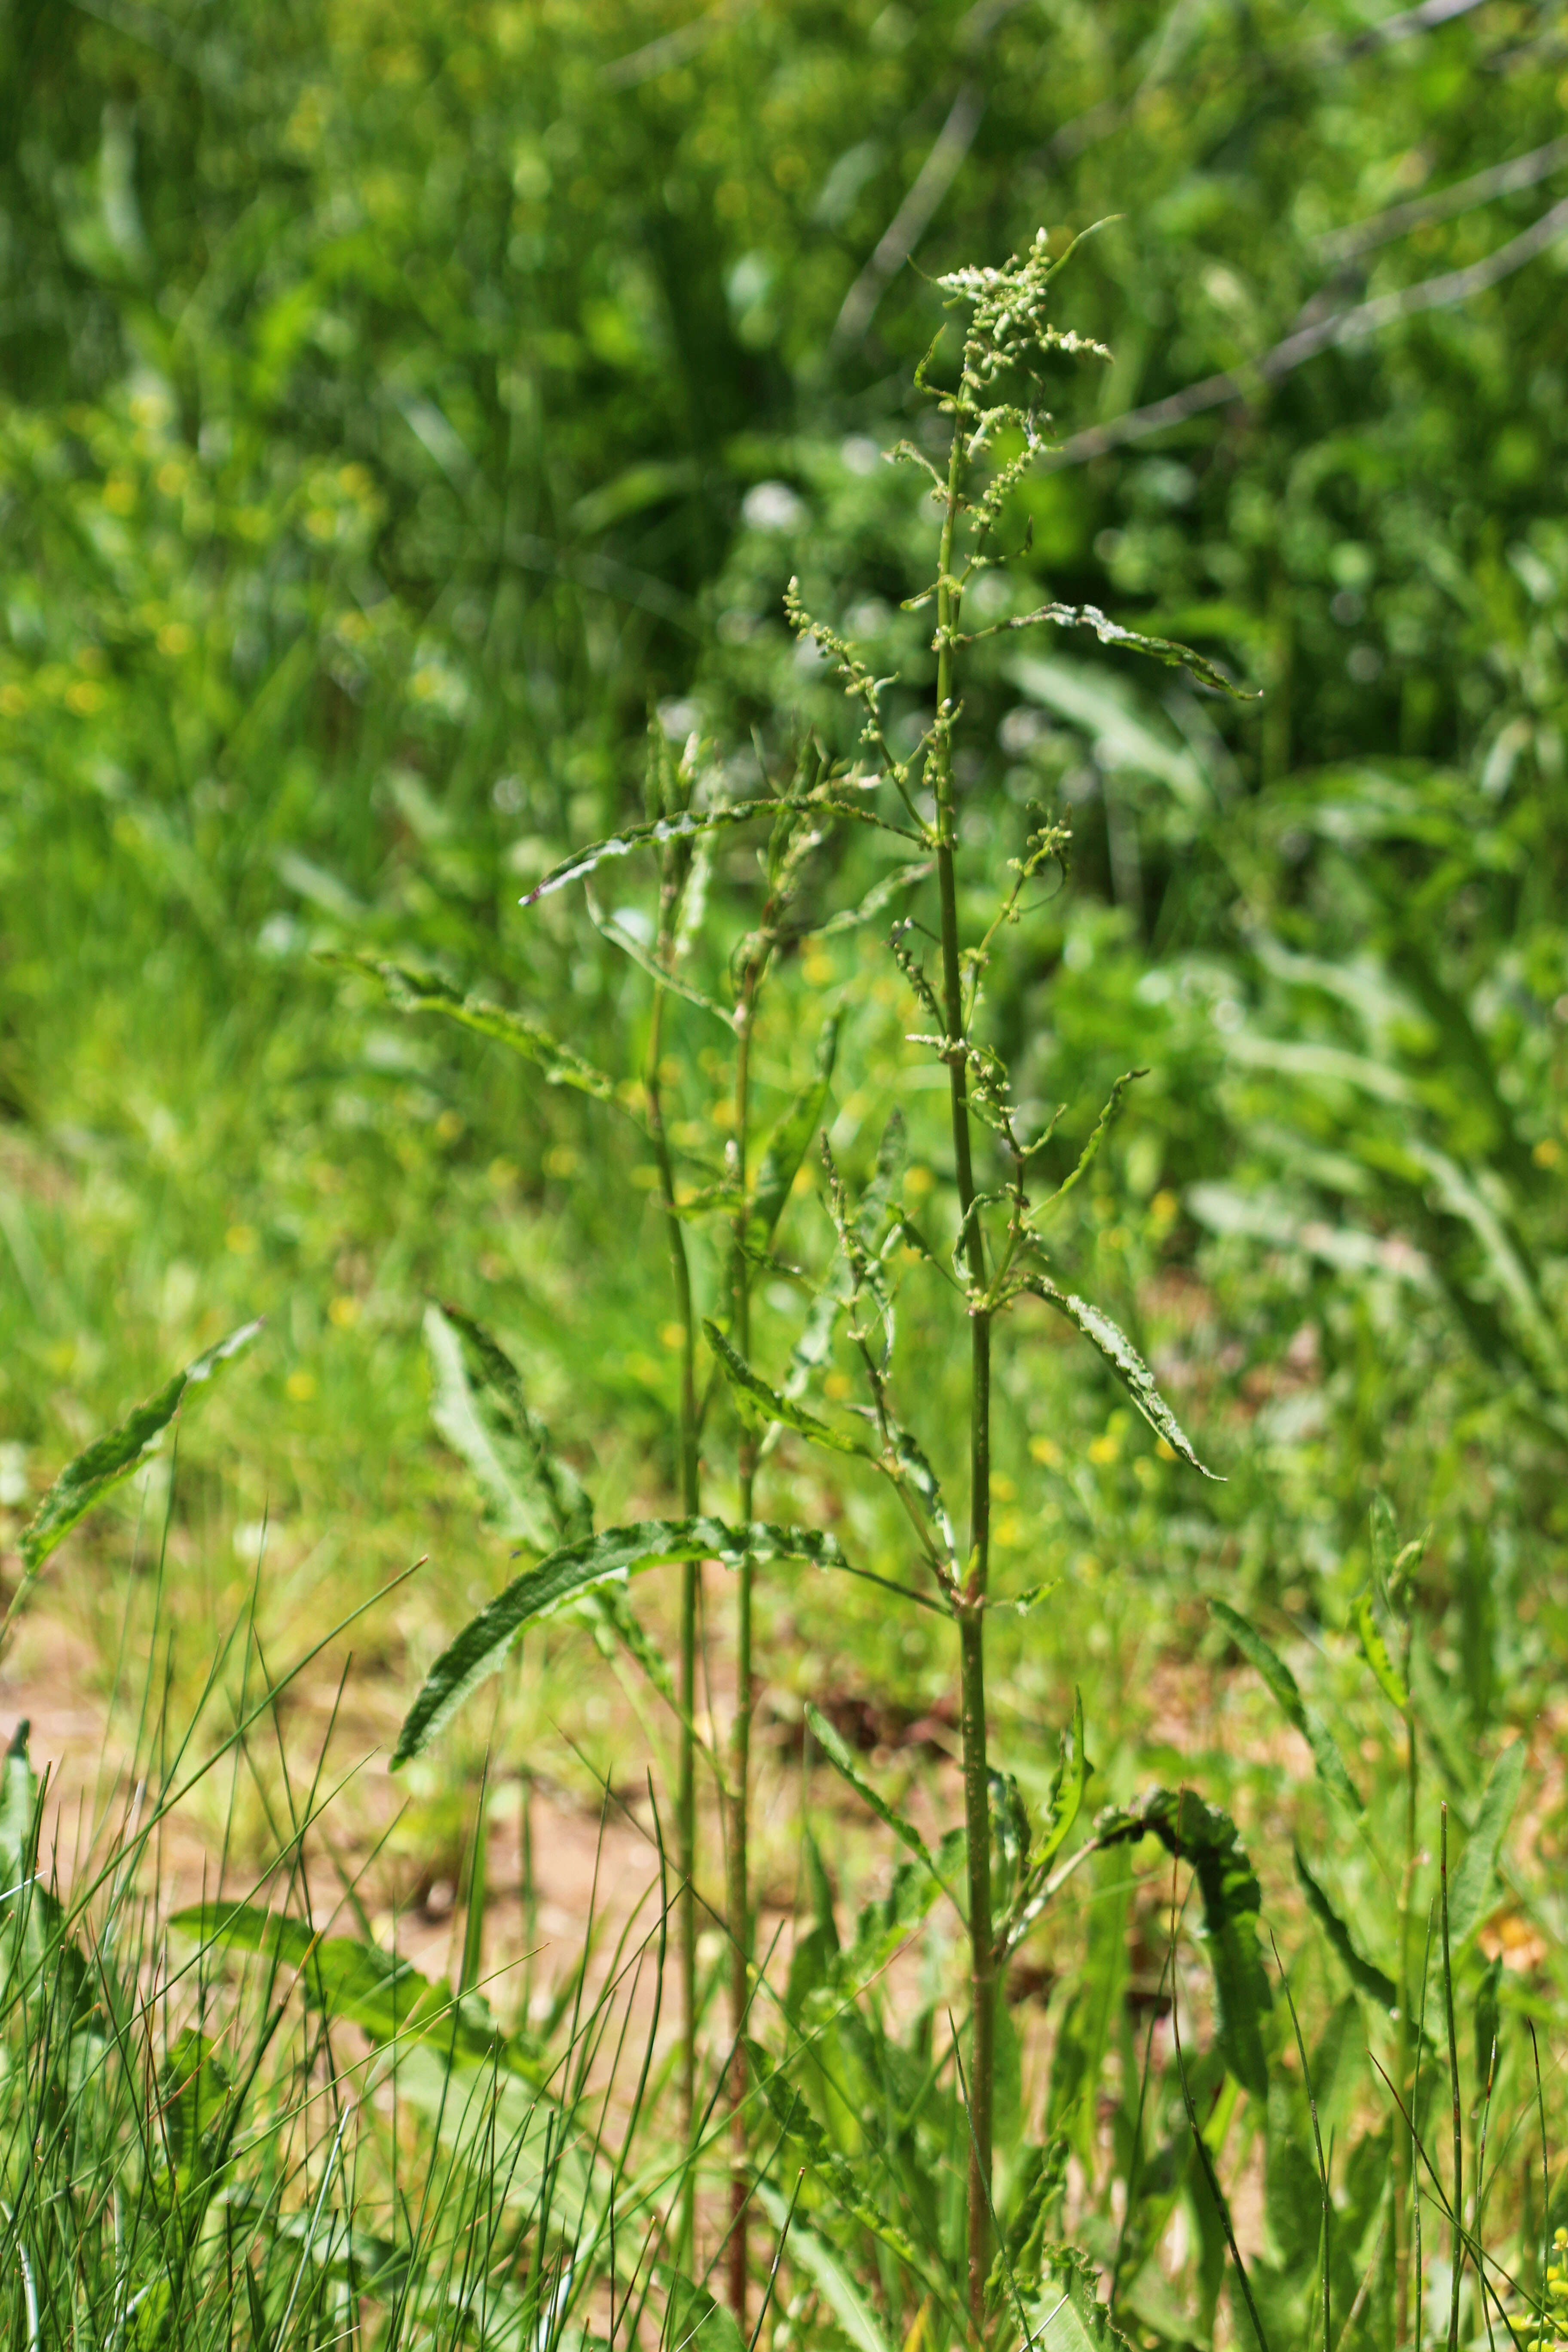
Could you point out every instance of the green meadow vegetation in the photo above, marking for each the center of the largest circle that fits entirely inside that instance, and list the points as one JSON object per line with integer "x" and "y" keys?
{"x": 782, "y": 848}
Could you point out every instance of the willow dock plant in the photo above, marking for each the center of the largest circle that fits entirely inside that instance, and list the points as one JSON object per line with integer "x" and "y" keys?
{"x": 998, "y": 1256}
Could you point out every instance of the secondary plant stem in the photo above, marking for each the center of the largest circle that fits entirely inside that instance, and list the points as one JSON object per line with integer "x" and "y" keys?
{"x": 690, "y": 1501}
{"x": 969, "y": 1601}
{"x": 737, "y": 1892}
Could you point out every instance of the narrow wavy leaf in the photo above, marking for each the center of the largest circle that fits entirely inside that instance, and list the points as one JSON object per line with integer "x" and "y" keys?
{"x": 1363, "y": 1974}
{"x": 578, "y": 1568}
{"x": 1168, "y": 650}
{"x": 685, "y": 826}
{"x": 1125, "y": 1362}
{"x": 111, "y": 1460}
{"x": 481, "y": 1410}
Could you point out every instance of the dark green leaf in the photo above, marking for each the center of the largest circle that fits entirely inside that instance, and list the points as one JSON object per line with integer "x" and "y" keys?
{"x": 1366, "y": 1979}
{"x": 1125, "y": 1362}
{"x": 480, "y": 1647}
{"x": 111, "y": 1460}
{"x": 1203, "y": 1836}
{"x": 1470, "y": 1894}
{"x": 481, "y": 1409}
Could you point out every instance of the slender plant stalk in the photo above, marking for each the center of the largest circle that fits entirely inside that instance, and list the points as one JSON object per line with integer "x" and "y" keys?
{"x": 738, "y": 1885}
{"x": 1459, "y": 2255}
{"x": 970, "y": 1600}
{"x": 691, "y": 1502}
{"x": 1404, "y": 2141}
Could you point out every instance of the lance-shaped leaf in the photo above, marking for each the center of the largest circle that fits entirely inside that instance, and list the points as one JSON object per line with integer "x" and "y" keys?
{"x": 1203, "y": 1836}
{"x": 1374, "y": 1650}
{"x": 1111, "y": 632}
{"x": 481, "y": 1409}
{"x": 786, "y": 1147}
{"x": 1472, "y": 1883}
{"x": 1125, "y": 1362}
{"x": 377, "y": 1990}
{"x": 1363, "y": 1974}
{"x": 1283, "y": 1684}
{"x": 848, "y": 2194}
{"x": 422, "y": 992}
{"x": 579, "y": 1568}
{"x": 759, "y": 1404}
{"x": 684, "y": 826}
{"x": 109, "y": 1460}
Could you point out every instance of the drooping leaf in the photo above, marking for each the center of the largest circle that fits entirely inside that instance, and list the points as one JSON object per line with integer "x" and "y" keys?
{"x": 788, "y": 1144}
{"x": 759, "y": 1404}
{"x": 1470, "y": 1892}
{"x": 1125, "y": 1361}
{"x": 481, "y": 1409}
{"x": 1363, "y": 1974}
{"x": 111, "y": 1460}
{"x": 686, "y": 825}
{"x": 1374, "y": 1649}
{"x": 1205, "y": 1838}
{"x": 377, "y": 1990}
{"x": 1160, "y": 649}
{"x": 1281, "y": 1683}
{"x": 842, "y": 1762}
{"x": 848, "y": 2194}
{"x": 577, "y": 1567}
{"x": 1069, "y": 2315}
{"x": 412, "y": 991}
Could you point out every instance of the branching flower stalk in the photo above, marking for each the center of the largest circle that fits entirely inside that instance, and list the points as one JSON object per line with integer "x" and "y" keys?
{"x": 1008, "y": 332}
{"x": 675, "y": 871}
